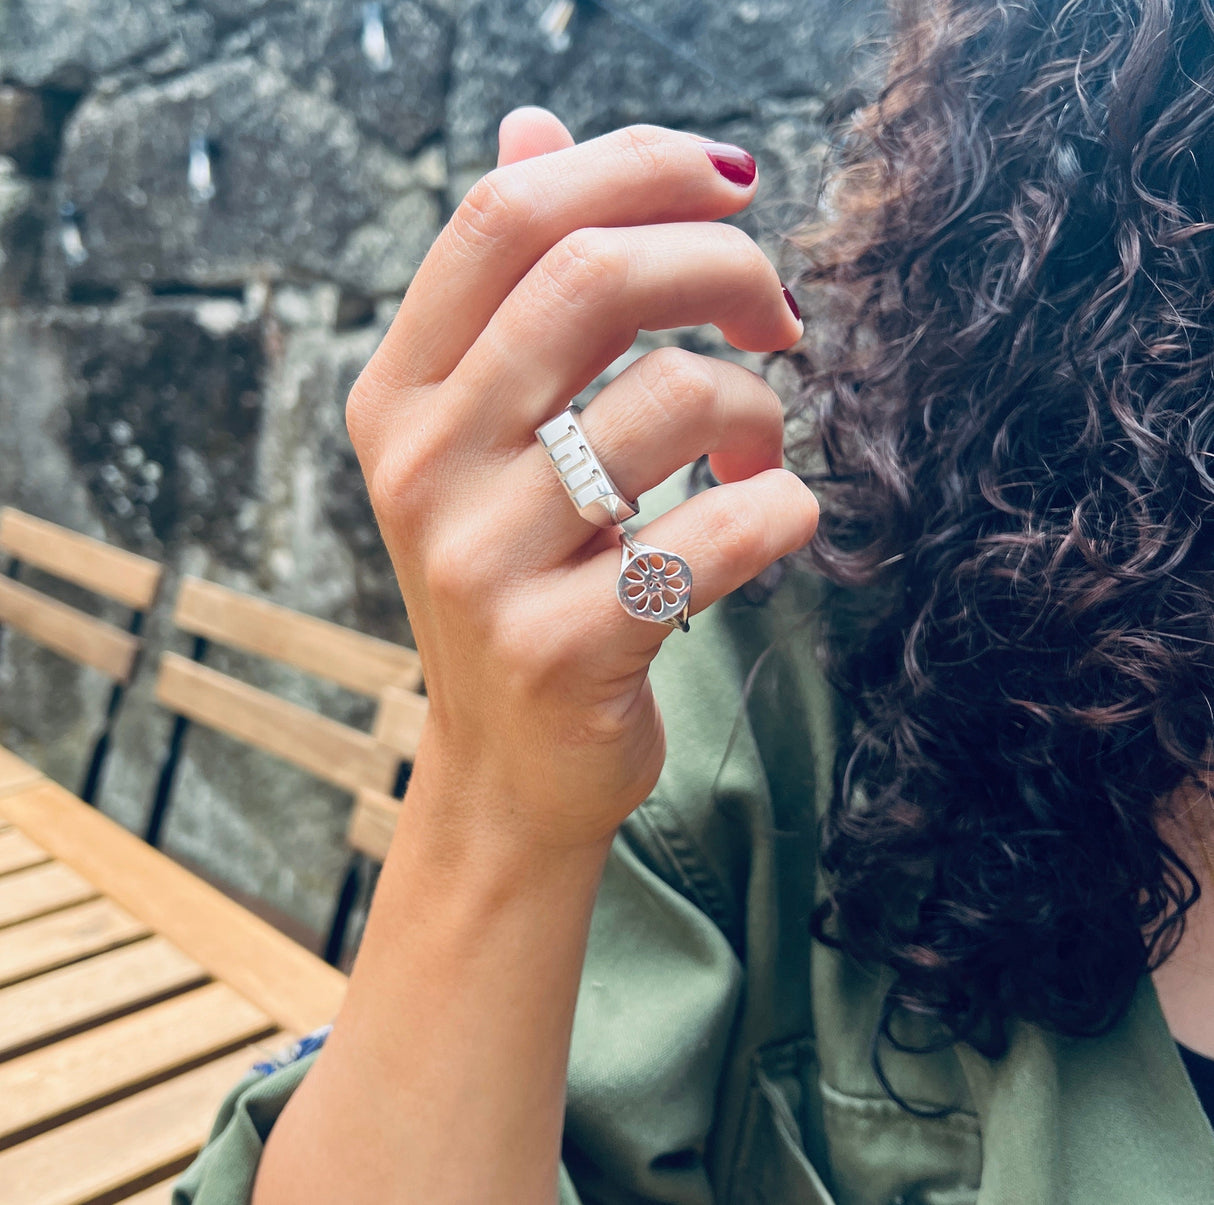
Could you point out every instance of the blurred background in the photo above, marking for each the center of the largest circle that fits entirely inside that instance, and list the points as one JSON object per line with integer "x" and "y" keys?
{"x": 209, "y": 210}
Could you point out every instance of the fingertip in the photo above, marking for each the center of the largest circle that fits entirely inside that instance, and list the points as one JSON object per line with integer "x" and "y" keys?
{"x": 801, "y": 508}
{"x": 528, "y": 131}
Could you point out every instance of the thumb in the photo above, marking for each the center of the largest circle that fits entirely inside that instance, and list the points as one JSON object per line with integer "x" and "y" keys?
{"x": 530, "y": 131}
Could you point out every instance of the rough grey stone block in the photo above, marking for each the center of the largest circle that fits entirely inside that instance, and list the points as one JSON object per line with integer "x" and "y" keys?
{"x": 685, "y": 64}
{"x": 157, "y": 410}
{"x": 67, "y": 43}
{"x": 291, "y": 188}
{"x": 393, "y": 86}
{"x": 22, "y": 206}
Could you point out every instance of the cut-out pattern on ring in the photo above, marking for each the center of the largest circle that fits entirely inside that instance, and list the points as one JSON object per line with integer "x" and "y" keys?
{"x": 655, "y": 585}
{"x": 654, "y": 581}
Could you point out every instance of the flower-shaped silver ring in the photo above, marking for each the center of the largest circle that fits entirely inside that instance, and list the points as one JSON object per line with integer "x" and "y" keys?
{"x": 653, "y": 584}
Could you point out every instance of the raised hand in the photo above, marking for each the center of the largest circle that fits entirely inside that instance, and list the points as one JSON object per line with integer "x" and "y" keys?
{"x": 542, "y": 728}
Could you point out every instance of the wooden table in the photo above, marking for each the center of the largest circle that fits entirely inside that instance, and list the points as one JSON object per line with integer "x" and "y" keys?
{"x": 132, "y": 997}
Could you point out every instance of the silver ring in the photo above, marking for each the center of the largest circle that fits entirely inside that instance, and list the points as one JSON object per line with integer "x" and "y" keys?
{"x": 653, "y": 584}
{"x": 590, "y": 489}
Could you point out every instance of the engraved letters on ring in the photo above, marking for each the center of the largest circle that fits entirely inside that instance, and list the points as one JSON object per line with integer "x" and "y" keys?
{"x": 591, "y": 491}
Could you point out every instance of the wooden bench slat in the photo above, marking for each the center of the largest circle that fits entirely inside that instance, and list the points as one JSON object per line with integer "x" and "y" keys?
{"x": 39, "y": 1010}
{"x": 64, "y": 937}
{"x": 372, "y": 823}
{"x": 157, "y": 1130}
{"x": 93, "y": 564}
{"x": 70, "y": 1075}
{"x": 334, "y": 752}
{"x": 283, "y": 979}
{"x": 15, "y": 772}
{"x": 70, "y": 633}
{"x": 398, "y": 722}
{"x": 158, "y": 1194}
{"x": 359, "y": 662}
{"x": 25, "y": 894}
{"x": 17, "y": 852}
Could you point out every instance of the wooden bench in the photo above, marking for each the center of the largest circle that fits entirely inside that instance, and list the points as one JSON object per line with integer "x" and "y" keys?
{"x": 398, "y": 725}
{"x": 335, "y": 753}
{"x": 97, "y": 567}
{"x": 376, "y": 814}
{"x": 133, "y": 996}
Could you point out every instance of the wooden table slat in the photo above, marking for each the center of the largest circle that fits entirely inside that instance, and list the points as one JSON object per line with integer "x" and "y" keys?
{"x": 288, "y": 983}
{"x": 17, "y": 851}
{"x": 362, "y": 663}
{"x": 114, "y": 1050}
{"x": 36, "y": 890}
{"x": 333, "y": 752}
{"x": 64, "y": 937}
{"x": 90, "y": 1067}
{"x": 372, "y": 823}
{"x": 158, "y": 1194}
{"x": 159, "y": 1129}
{"x": 70, "y": 632}
{"x": 39, "y": 1010}
{"x": 15, "y": 772}
{"x": 99, "y": 567}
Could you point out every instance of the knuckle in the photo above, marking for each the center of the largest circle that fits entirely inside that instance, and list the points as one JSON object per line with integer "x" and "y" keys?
{"x": 602, "y": 725}
{"x": 491, "y": 211}
{"x": 583, "y": 266}
{"x": 393, "y": 487}
{"x": 649, "y": 145}
{"x": 677, "y": 379}
{"x": 740, "y": 528}
{"x": 462, "y": 567}
{"x": 362, "y": 409}
{"x": 750, "y": 255}
{"x": 356, "y": 410}
{"x": 771, "y": 405}
{"x": 450, "y": 572}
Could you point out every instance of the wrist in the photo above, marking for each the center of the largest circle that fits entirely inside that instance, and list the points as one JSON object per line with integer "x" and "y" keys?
{"x": 474, "y": 815}
{"x": 449, "y": 1054}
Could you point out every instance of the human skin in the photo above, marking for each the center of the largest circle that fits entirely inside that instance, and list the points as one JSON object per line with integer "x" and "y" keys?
{"x": 443, "y": 1080}
{"x": 1185, "y": 982}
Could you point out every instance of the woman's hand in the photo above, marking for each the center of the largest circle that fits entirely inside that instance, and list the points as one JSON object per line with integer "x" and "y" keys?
{"x": 542, "y": 727}
{"x": 444, "y": 1077}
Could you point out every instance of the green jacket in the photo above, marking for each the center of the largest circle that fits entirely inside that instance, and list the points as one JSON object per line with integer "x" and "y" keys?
{"x": 721, "y": 1056}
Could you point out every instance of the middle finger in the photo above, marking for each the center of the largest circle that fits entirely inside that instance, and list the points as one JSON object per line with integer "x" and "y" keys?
{"x": 582, "y": 305}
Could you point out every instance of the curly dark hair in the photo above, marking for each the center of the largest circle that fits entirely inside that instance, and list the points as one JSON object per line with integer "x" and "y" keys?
{"x": 1010, "y": 399}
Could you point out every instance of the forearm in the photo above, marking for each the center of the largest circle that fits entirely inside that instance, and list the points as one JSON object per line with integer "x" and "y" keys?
{"x": 443, "y": 1080}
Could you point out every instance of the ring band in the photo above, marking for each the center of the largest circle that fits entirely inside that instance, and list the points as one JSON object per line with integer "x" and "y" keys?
{"x": 653, "y": 584}
{"x": 590, "y": 489}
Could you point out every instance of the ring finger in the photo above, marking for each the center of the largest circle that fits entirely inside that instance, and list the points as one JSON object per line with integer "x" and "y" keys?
{"x": 659, "y": 414}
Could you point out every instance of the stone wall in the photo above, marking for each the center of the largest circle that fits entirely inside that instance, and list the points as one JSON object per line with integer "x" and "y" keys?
{"x": 209, "y": 210}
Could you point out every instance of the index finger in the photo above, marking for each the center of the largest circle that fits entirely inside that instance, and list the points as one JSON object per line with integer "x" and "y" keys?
{"x": 640, "y": 175}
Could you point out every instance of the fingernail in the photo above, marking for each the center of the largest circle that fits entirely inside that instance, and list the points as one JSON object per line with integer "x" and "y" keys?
{"x": 735, "y": 164}
{"x": 792, "y": 305}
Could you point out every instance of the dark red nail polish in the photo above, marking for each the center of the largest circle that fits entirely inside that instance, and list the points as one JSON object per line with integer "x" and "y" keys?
{"x": 735, "y": 164}
{"x": 792, "y": 305}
